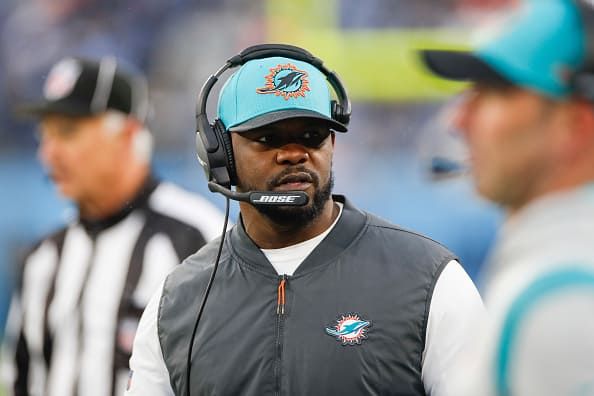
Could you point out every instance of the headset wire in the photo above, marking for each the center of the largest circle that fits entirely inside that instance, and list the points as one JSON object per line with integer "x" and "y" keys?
{"x": 205, "y": 297}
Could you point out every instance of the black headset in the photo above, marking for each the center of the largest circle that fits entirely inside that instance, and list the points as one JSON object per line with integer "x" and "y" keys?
{"x": 582, "y": 80}
{"x": 213, "y": 143}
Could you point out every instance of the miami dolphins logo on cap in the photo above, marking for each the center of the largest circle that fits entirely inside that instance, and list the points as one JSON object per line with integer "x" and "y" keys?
{"x": 350, "y": 329}
{"x": 286, "y": 80}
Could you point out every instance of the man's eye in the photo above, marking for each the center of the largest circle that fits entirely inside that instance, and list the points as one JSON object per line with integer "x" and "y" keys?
{"x": 67, "y": 132}
{"x": 63, "y": 133}
{"x": 313, "y": 138}
{"x": 310, "y": 135}
{"x": 264, "y": 139}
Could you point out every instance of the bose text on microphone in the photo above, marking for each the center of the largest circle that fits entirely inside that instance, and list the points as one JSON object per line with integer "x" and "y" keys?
{"x": 275, "y": 198}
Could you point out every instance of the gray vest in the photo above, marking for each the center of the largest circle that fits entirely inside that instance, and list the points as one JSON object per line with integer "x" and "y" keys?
{"x": 354, "y": 318}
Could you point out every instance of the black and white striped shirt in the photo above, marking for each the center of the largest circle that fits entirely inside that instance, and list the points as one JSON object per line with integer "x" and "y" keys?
{"x": 84, "y": 288}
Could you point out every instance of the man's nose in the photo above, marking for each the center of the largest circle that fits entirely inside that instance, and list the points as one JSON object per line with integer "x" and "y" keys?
{"x": 292, "y": 153}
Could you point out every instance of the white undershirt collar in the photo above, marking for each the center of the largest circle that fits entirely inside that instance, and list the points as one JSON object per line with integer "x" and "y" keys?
{"x": 286, "y": 260}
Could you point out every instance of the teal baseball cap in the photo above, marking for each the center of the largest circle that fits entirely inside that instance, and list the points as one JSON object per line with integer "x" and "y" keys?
{"x": 541, "y": 48}
{"x": 268, "y": 90}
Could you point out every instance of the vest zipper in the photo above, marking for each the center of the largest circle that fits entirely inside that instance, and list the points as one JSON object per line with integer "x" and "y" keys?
{"x": 280, "y": 321}
{"x": 280, "y": 301}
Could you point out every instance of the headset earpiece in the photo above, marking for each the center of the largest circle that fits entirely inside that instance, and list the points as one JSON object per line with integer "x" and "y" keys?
{"x": 225, "y": 142}
{"x": 339, "y": 114}
{"x": 218, "y": 164}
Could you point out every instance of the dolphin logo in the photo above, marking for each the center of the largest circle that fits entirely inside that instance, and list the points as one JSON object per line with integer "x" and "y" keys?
{"x": 350, "y": 329}
{"x": 287, "y": 81}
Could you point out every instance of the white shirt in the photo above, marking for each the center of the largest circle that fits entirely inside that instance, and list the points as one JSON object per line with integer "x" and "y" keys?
{"x": 539, "y": 293}
{"x": 286, "y": 260}
{"x": 456, "y": 308}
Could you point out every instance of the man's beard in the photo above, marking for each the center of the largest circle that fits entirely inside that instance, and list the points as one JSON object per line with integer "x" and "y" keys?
{"x": 298, "y": 216}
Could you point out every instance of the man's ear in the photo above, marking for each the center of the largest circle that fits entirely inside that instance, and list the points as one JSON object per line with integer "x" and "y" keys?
{"x": 584, "y": 121}
{"x": 130, "y": 128}
{"x": 578, "y": 133}
{"x": 133, "y": 123}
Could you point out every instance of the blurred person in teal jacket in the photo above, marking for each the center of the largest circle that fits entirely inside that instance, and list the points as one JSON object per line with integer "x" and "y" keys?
{"x": 528, "y": 120}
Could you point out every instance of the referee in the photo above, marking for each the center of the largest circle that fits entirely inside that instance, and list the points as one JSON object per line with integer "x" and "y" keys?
{"x": 84, "y": 287}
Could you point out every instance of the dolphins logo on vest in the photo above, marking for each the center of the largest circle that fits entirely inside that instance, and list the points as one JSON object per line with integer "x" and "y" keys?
{"x": 350, "y": 329}
{"x": 286, "y": 80}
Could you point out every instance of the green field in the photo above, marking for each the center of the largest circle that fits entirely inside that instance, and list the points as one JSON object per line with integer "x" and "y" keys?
{"x": 379, "y": 65}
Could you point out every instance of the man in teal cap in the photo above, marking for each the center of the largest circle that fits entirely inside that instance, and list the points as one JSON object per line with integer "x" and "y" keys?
{"x": 318, "y": 299}
{"x": 528, "y": 119}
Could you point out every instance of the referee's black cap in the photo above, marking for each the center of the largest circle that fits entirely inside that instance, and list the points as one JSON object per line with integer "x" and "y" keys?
{"x": 82, "y": 87}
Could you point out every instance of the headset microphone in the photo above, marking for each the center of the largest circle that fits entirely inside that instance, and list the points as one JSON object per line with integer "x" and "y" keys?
{"x": 441, "y": 168}
{"x": 266, "y": 198}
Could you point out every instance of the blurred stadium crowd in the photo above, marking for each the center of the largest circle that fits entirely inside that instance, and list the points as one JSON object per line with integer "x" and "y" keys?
{"x": 383, "y": 163}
